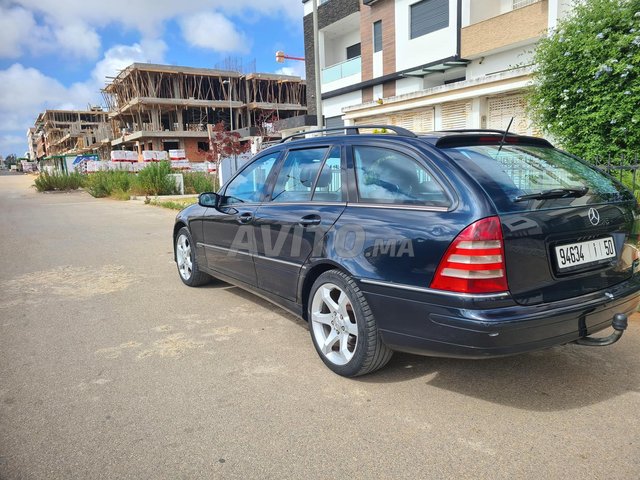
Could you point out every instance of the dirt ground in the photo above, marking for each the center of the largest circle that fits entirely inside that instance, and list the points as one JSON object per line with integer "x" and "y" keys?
{"x": 111, "y": 368}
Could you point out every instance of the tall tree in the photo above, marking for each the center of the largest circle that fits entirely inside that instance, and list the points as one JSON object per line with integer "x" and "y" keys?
{"x": 11, "y": 159}
{"x": 587, "y": 80}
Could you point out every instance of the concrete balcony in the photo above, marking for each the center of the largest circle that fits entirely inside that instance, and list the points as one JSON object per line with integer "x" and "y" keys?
{"x": 503, "y": 31}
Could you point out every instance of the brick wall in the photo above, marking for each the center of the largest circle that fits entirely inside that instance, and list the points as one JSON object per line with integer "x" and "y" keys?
{"x": 191, "y": 149}
{"x": 383, "y": 10}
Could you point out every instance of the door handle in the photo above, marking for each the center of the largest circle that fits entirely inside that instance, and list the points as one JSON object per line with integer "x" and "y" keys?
{"x": 245, "y": 217}
{"x": 310, "y": 220}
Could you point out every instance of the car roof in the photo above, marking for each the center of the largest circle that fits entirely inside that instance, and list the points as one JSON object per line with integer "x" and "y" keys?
{"x": 438, "y": 139}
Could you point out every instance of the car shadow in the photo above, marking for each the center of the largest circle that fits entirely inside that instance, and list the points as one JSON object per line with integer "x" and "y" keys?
{"x": 560, "y": 378}
{"x": 256, "y": 299}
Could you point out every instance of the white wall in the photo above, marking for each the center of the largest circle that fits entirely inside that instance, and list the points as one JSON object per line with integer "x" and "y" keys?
{"x": 409, "y": 85}
{"x": 335, "y": 49}
{"x": 377, "y": 64}
{"x": 558, "y": 9}
{"x": 332, "y": 107}
{"x": 499, "y": 62}
{"x": 427, "y": 48}
{"x": 378, "y": 92}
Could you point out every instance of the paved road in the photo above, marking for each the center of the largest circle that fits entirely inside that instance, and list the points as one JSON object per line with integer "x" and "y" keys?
{"x": 111, "y": 368}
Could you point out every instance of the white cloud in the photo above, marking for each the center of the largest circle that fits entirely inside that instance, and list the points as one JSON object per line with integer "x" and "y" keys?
{"x": 13, "y": 144}
{"x": 296, "y": 69}
{"x": 214, "y": 32}
{"x": 13, "y": 23}
{"x": 120, "y": 56}
{"x": 78, "y": 39}
{"x": 26, "y": 91}
{"x": 145, "y": 15}
{"x": 19, "y": 32}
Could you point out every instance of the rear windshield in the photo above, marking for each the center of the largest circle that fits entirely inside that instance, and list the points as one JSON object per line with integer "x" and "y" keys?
{"x": 518, "y": 170}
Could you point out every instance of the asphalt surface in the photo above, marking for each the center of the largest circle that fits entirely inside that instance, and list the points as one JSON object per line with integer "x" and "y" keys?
{"x": 111, "y": 368}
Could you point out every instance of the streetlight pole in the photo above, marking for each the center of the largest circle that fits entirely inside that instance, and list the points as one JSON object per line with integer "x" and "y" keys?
{"x": 316, "y": 66}
{"x": 228, "y": 82}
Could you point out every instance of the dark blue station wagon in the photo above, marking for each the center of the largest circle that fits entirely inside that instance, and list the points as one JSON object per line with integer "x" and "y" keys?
{"x": 469, "y": 244}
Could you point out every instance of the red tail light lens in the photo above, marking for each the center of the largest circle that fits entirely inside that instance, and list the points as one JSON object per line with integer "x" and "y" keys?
{"x": 474, "y": 262}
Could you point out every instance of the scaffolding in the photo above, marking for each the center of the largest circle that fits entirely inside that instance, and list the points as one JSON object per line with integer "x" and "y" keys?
{"x": 69, "y": 132}
{"x": 147, "y": 100}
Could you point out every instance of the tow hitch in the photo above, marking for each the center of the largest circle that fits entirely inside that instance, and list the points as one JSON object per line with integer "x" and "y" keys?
{"x": 619, "y": 325}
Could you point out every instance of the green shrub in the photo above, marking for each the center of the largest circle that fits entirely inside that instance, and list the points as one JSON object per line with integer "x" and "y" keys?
{"x": 154, "y": 180}
{"x": 46, "y": 182}
{"x": 104, "y": 184}
{"x": 198, "y": 182}
{"x": 587, "y": 79}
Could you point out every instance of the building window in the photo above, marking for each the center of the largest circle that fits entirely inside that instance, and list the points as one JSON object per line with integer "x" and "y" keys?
{"x": 377, "y": 36}
{"x": 203, "y": 146}
{"x": 353, "y": 51}
{"x": 428, "y": 16}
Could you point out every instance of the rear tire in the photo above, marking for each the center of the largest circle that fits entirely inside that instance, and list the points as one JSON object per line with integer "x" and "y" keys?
{"x": 343, "y": 328}
{"x": 188, "y": 269}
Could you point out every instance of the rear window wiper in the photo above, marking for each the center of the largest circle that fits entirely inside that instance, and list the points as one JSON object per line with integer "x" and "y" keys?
{"x": 554, "y": 193}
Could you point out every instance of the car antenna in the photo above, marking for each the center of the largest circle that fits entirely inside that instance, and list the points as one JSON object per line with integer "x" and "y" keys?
{"x": 504, "y": 137}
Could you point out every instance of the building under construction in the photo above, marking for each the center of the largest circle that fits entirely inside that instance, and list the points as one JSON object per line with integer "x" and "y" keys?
{"x": 69, "y": 132}
{"x": 162, "y": 107}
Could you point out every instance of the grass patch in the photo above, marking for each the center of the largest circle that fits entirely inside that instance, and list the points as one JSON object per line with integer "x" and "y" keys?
{"x": 46, "y": 182}
{"x": 119, "y": 194}
{"x": 174, "y": 204}
{"x": 199, "y": 182}
{"x": 154, "y": 180}
{"x": 104, "y": 184}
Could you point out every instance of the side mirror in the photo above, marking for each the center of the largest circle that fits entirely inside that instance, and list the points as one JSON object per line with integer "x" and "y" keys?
{"x": 209, "y": 199}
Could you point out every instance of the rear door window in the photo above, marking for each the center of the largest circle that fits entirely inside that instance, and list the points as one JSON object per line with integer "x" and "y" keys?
{"x": 390, "y": 177}
{"x": 248, "y": 186}
{"x": 329, "y": 183}
{"x": 298, "y": 175}
{"x": 513, "y": 172}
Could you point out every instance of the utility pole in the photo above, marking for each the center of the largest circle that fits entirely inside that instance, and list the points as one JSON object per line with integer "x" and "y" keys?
{"x": 316, "y": 60}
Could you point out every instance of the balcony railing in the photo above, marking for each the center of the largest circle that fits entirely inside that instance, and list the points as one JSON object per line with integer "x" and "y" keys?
{"x": 353, "y": 66}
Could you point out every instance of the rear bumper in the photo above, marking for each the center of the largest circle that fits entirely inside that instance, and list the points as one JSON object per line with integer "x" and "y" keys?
{"x": 422, "y": 323}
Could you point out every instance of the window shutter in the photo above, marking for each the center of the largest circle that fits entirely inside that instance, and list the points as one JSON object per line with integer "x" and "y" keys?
{"x": 428, "y": 16}
{"x": 455, "y": 115}
{"x": 334, "y": 122}
{"x": 377, "y": 36}
{"x": 418, "y": 120}
{"x": 502, "y": 108}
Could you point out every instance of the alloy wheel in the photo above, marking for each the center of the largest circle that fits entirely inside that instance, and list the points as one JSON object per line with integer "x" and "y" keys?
{"x": 334, "y": 323}
{"x": 183, "y": 257}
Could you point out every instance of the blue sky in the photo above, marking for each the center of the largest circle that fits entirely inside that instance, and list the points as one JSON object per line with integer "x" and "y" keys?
{"x": 57, "y": 53}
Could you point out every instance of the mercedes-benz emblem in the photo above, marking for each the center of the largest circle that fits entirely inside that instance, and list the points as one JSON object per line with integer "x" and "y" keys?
{"x": 594, "y": 216}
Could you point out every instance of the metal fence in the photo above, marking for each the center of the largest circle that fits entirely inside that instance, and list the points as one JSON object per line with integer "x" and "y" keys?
{"x": 624, "y": 168}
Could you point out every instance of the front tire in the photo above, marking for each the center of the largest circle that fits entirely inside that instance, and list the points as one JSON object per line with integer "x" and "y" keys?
{"x": 342, "y": 326}
{"x": 188, "y": 269}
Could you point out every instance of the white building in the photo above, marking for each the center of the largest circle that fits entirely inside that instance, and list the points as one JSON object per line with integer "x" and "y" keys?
{"x": 427, "y": 64}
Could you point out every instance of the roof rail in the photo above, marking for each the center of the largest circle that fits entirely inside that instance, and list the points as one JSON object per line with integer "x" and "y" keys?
{"x": 353, "y": 130}
{"x": 478, "y": 130}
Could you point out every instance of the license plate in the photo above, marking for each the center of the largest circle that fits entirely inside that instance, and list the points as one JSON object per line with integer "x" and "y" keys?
{"x": 583, "y": 253}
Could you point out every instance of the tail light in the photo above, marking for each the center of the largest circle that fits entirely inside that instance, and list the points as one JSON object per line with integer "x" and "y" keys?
{"x": 474, "y": 262}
